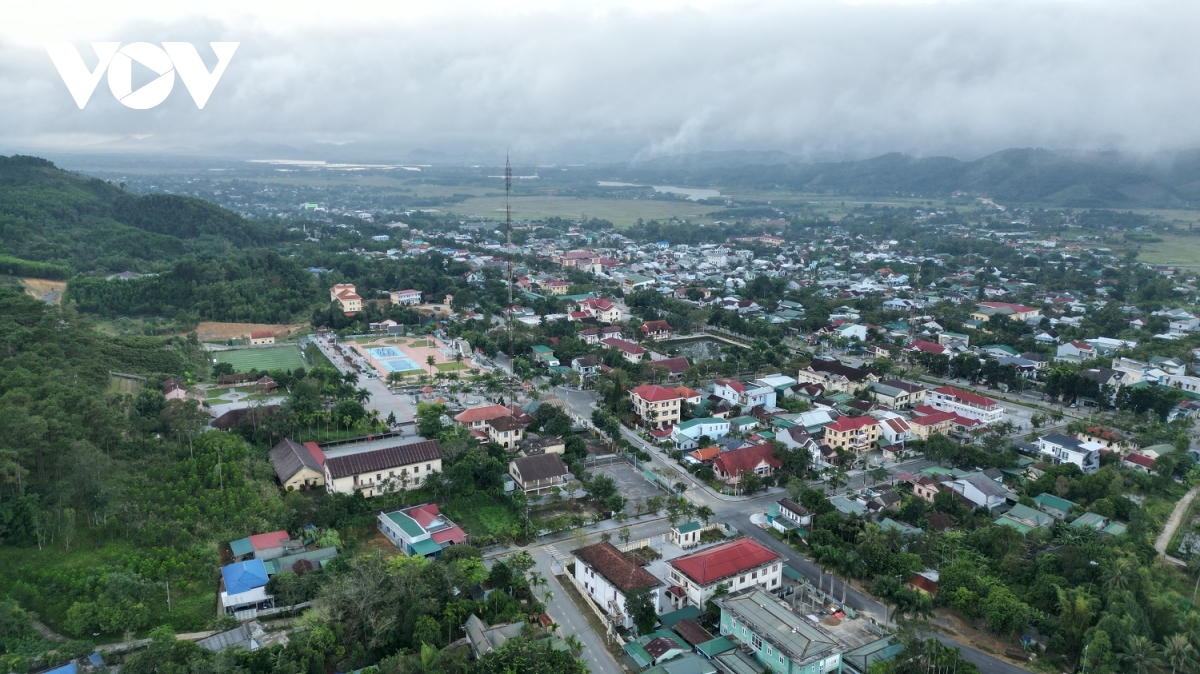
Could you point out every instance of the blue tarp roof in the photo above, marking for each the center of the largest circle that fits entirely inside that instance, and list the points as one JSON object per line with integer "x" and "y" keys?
{"x": 244, "y": 576}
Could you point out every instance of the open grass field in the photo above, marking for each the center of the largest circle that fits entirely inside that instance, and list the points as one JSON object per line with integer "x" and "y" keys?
{"x": 1178, "y": 250}
{"x": 621, "y": 212}
{"x": 44, "y": 289}
{"x": 263, "y": 358}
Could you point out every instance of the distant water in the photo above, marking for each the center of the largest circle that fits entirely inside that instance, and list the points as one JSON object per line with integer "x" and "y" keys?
{"x": 692, "y": 193}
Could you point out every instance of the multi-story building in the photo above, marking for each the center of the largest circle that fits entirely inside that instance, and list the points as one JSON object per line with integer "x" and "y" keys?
{"x": 966, "y": 404}
{"x": 738, "y": 564}
{"x": 783, "y": 642}
{"x": 629, "y": 351}
{"x": 835, "y": 376}
{"x": 658, "y": 406}
{"x": 384, "y": 470}
{"x": 346, "y": 297}
{"x": 656, "y": 330}
{"x": 689, "y": 432}
{"x": 409, "y": 296}
{"x": 607, "y": 575}
{"x": 504, "y": 431}
{"x": 747, "y": 395}
{"x": 856, "y": 434}
{"x": 1065, "y": 449}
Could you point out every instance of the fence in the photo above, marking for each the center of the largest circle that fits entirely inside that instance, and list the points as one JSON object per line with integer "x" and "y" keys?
{"x": 641, "y": 543}
{"x": 610, "y": 631}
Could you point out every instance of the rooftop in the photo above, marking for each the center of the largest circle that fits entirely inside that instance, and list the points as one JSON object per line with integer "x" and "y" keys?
{"x": 725, "y": 560}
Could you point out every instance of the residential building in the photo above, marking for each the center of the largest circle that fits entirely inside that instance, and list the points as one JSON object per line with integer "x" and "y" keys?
{"x": 402, "y": 297}
{"x": 1075, "y": 352}
{"x": 476, "y": 418}
{"x": 938, "y": 423}
{"x": 601, "y": 309}
{"x": 421, "y": 530}
{"x": 739, "y": 564}
{"x": 504, "y": 431}
{"x": 629, "y": 351}
{"x": 261, "y": 337}
{"x": 657, "y": 406}
{"x": 856, "y": 434}
{"x": 607, "y": 575}
{"x": 732, "y": 465}
{"x": 298, "y": 466}
{"x": 383, "y": 470}
{"x": 779, "y": 640}
{"x": 1065, "y": 449}
{"x": 686, "y": 535}
{"x": 346, "y": 297}
{"x": 1015, "y": 312}
{"x": 980, "y": 491}
{"x": 539, "y": 473}
{"x": 752, "y": 394}
{"x": 1025, "y": 519}
{"x": 1107, "y": 438}
{"x": 586, "y": 366}
{"x": 915, "y": 394}
{"x": 834, "y": 376}
{"x": 1056, "y": 507}
{"x": 245, "y": 587}
{"x": 926, "y": 488}
{"x": 966, "y": 404}
{"x": 688, "y": 433}
{"x": 544, "y": 355}
{"x": 656, "y": 330}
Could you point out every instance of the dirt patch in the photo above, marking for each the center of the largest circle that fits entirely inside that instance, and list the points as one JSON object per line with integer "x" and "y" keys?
{"x": 47, "y": 291}
{"x": 209, "y": 331}
{"x": 956, "y": 624}
{"x": 380, "y": 544}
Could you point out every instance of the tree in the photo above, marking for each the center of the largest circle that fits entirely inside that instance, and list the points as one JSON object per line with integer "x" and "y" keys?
{"x": 430, "y": 360}
{"x": 705, "y": 513}
{"x": 523, "y": 655}
{"x": 878, "y": 474}
{"x": 1179, "y": 653}
{"x": 639, "y": 604}
{"x": 1141, "y": 655}
{"x": 624, "y": 534}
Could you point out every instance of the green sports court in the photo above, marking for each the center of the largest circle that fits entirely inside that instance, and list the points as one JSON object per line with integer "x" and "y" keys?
{"x": 263, "y": 358}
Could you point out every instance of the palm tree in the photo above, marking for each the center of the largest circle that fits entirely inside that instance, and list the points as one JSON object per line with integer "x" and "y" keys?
{"x": 1141, "y": 655}
{"x": 705, "y": 513}
{"x": 429, "y": 360}
{"x": 1118, "y": 575}
{"x": 362, "y": 395}
{"x": 1179, "y": 653}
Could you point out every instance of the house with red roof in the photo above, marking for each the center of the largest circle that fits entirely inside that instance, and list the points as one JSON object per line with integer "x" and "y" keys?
{"x": 346, "y": 297}
{"x": 1139, "y": 462}
{"x": 856, "y": 434}
{"x": 298, "y": 465}
{"x": 1016, "y": 312}
{"x": 657, "y": 406}
{"x": 936, "y": 423}
{"x": 608, "y": 575}
{"x": 656, "y": 330}
{"x": 758, "y": 459}
{"x": 262, "y": 337}
{"x": 739, "y": 564}
{"x": 966, "y": 404}
{"x": 476, "y": 418}
{"x": 629, "y": 351}
{"x": 265, "y": 547}
{"x": 921, "y": 346}
{"x": 603, "y": 310}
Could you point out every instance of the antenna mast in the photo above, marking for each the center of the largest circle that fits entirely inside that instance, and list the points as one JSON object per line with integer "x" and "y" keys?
{"x": 512, "y": 369}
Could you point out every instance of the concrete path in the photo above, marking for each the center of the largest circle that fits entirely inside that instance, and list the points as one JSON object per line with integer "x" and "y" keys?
{"x": 1173, "y": 522}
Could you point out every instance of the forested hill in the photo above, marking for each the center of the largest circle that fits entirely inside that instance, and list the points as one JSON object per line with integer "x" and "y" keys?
{"x": 1071, "y": 179}
{"x": 85, "y": 224}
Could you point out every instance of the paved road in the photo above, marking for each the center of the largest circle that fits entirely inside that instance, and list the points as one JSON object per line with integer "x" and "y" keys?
{"x": 570, "y": 620}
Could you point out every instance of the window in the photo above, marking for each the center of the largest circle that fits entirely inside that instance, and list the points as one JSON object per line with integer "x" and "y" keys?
{"x": 781, "y": 658}
{"x": 769, "y": 651}
{"x": 416, "y": 469}
{"x": 378, "y": 476}
{"x": 755, "y": 642}
{"x": 743, "y": 631}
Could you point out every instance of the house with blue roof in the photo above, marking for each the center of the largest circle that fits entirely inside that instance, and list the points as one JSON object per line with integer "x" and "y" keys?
{"x": 245, "y": 586}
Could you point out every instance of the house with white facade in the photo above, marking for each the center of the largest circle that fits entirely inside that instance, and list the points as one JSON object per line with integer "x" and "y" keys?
{"x": 384, "y": 470}
{"x": 966, "y": 404}
{"x": 405, "y": 297}
{"x": 607, "y": 575}
{"x": 746, "y": 394}
{"x": 1065, "y": 449}
{"x": 688, "y": 433}
{"x": 738, "y": 564}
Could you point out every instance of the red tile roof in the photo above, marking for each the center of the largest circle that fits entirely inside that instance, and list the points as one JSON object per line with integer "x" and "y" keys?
{"x": 705, "y": 453}
{"x": 733, "y": 384}
{"x": 966, "y": 396}
{"x": 627, "y": 347}
{"x": 261, "y": 334}
{"x": 931, "y": 419}
{"x": 266, "y": 541}
{"x": 653, "y": 393}
{"x": 615, "y": 566}
{"x": 1140, "y": 460}
{"x": 736, "y": 462}
{"x": 842, "y": 424}
{"x": 477, "y": 414}
{"x": 723, "y": 561}
{"x": 928, "y": 347}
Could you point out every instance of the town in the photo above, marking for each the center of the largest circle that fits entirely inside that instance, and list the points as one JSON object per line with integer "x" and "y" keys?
{"x": 772, "y": 440}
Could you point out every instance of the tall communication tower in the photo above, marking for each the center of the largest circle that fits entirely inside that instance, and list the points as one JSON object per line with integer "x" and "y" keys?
{"x": 512, "y": 370}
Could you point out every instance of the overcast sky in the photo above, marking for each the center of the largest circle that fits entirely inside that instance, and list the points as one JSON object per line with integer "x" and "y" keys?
{"x": 589, "y": 79}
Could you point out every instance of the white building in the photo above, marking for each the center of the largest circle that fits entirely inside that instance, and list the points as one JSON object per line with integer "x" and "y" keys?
{"x": 607, "y": 576}
{"x": 688, "y": 433}
{"x": 751, "y": 394}
{"x": 409, "y": 296}
{"x": 1065, "y": 449}
{"x": 966, "y": 404}
{"x": 383, "y": 470}
{"x": 738, "y": 565}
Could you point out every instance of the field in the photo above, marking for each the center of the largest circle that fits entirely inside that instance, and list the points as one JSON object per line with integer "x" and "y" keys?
{"x": 263, "y": 358}
{"x": 40, "y": 288}
{"x": 483, "y": 518}
{"x": 621, "y": 212}
{"x": 1180, "y": 250}
{"x": 209, "y": 331}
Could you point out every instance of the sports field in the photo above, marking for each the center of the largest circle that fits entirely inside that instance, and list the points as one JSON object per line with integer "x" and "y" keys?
{"x": 263, "y": 358}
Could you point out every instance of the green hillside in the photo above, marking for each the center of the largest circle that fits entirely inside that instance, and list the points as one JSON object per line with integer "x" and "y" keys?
{"x": 52, "y": 216}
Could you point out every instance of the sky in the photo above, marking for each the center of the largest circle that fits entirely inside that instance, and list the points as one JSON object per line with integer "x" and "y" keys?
{"x": 615, "y": 80}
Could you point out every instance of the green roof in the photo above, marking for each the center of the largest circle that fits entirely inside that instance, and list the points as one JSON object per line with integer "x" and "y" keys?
{"x": 717, "y": 646}
{"x": 888, "y": 523}
{"x": 541, "y": 349}
{"x": 1052, "y": 501}
{"x": 426, "y": 547}
{"x": 1016, "y": 524}
{"x": 689, "y": 527}
{"x": 700, "y": 420}
{"x": 1114, "y": 529}
{"x": 407, "y": 524}
{"x": 685, "y": 613}
{"x": 638, "y": 654}
{"x": 578, "y": 298}
{"x": 744, "y": 421}
{"x": 317, "y": 557}
{"x": 241, "y": 547}
{"x": 789, "y": 572}
{"x": 1090, "y": 520}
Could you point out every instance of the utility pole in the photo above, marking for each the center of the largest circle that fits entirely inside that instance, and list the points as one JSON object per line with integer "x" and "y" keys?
{"x": 512, "y": 368}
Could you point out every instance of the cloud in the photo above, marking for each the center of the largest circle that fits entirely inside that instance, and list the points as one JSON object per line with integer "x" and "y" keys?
{"x": 553, "y": 81}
